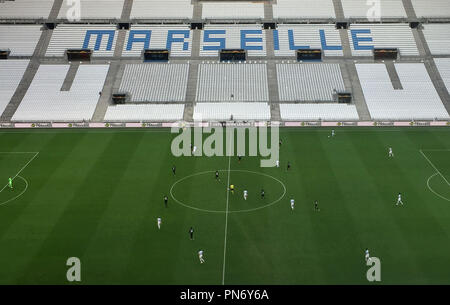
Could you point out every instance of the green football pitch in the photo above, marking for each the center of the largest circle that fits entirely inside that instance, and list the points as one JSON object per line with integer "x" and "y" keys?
{"x": 96, "y": 195}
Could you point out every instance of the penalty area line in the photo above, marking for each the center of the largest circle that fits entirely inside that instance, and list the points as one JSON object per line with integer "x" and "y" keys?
{"x": 25, "y": 166}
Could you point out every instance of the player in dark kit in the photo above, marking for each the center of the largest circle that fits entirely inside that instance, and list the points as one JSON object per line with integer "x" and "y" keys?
{"x": 165, "y": 201}
{"x": 281, "y": 142}
{"x": 316, "y": 206}
{"x": 289, "y": 165}
{"x": 217, "y": 176}
{"x": 239, "y": 158}
{"x": 174, "y": 169}
{"x": 262, "y": 194}
{"x": 191, "y": 233}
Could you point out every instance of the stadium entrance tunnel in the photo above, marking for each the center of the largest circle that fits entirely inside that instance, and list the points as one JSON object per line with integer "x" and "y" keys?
{"x": 203, "y": 192}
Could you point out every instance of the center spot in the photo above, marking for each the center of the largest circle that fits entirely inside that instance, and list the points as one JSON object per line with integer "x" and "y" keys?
{"x": 201, "y": 191}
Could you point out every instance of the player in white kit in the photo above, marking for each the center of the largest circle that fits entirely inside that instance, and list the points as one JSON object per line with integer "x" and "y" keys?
{"x": 277, "y": 163}
{"x": 200, "y": 256}
{"x": 245, "y": 194}
{"x": 159, "y": 222}
{"x": 391, "y": 153}
{"x": 292, "y": 204}
{"x": 399, "y": 199}
{"x": 194, "y": 149}
{"x": 367, "y": 255}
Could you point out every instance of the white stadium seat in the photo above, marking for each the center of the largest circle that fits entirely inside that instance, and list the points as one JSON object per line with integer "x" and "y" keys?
{"x": 155, "y": 82}
{"x": 11, "y": 73}
{"x": 364, "y": 37}
{"x": 303, "y": 9}
{"x": 309, "y": 82}
{"x": 373, "y": 9}
{"x": 162, "y": 9}
{"x": 99, "y": 38}
{"x": 314, "y": 112}
{"x": 21, "y": 40}
{"x": 97, "y": 9}
{"x": 248, "y": 37}
{"x": 44, "y": 100}
{"x": 25, "y": 9}
{"x": 224, "y": 111}
{"x": 144, "y": 112}
{"x": 176, "y": 38}
{"x": 232, "y": 82}
{"x": 418, "y": 99}
{"x": 431, "y": 8}
{"x": 232, "y": 10}
{"x": 443, "y": 65}
{"x": 288, "y": 38}
{"x": 437, "y": 37}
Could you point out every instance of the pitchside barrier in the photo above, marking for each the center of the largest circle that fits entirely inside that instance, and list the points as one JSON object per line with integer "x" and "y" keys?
{"x": 224, "y": 124}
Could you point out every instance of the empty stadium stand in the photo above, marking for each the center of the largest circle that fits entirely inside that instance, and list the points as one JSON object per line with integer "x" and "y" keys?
{"x": 309, "y": 82}
{"x": 155, "y": 82}
{"x": 175, "y": 38}
{"x": 417, "y": 100}
{"x": 144, "y": 113}
{"x": 101, "y": 39}
{"x": 247, "y": 37}
{"x": 443, "y": 65}
{"x": 21, "y": 40}
{"x": 44, "y": 100}
{"x": 232, "y": 82}
{"x": 11, "y": 72}
{"x": 365, "y": 37}
{"x": 157, "y": 9}
{"x": 373, "y": 10}
{"x": 438, "y": 38}
{"x": 307, "y": 9}
{"x": 434, "y": 8}
{"x": 314, "y": 112}
{"x": 25, "y": 9}
{"x": 98, "y": 9}
{"x": 289, "y": 37}
{"x": 231, "y": 111}
{"x": 233, "y": 10}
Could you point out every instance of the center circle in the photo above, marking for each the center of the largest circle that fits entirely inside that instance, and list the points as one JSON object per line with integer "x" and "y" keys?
{"x": 203, "y": 192}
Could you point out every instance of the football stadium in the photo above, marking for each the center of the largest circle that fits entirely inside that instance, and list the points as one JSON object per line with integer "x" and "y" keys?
{"x": 208, "y": 142}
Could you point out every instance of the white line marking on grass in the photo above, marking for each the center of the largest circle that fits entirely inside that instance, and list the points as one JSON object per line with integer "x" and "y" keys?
{"x": 226, "y": 217}
{"x": 435, "y": 168}
{"x": 35, "y": 155}
{"x": 23, "y": 192}
{"x": 429, "y": 187}
{"x": 229, "y": 212}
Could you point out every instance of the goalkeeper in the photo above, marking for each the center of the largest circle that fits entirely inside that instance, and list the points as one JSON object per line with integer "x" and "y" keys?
{"x": 10, "y": 183}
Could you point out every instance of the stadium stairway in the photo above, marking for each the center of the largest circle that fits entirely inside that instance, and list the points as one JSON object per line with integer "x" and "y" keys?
{"x": 339, "y": 10}
{"x": 126, "y": 11}
{"x": 393, "y": 75}
{"x": 345, "y": 43}
{"x": 407, "y": 4}
{"x": 438, "y": 83}
{"x": 28, "y": 77}
{"x": 191, "y": 92}
{"x": 70, "y": 76}
{"x": 268, "y": 10}
{"x": 351, "y": 75}
{"x": 105, "y": 98}
{"x": 55, "y": 10}
{"x": 197, "y": 11}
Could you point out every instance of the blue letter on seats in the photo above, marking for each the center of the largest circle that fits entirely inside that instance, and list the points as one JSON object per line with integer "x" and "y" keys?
{"x": 292, "y": 45}
{"x": 245, "y": 39}
{"x": 171, "y": 39}
{"x": 132, "y": 39}
{"x": 357, "y": 40}
{"x": 323, "y": 41}
{"x": 220, "y": 40}
{"x": 98, "y": 42}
